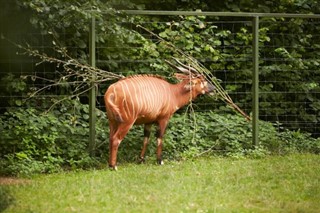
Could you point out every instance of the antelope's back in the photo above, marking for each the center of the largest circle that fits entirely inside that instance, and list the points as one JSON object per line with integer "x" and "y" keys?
{"x": 140, "y": 96}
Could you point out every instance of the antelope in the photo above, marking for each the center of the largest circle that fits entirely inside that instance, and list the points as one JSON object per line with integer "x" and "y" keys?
{"x": 148, "y": 99}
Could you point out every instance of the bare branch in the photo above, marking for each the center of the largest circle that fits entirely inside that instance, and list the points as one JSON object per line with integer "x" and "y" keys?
{"x": 73, "y": 69}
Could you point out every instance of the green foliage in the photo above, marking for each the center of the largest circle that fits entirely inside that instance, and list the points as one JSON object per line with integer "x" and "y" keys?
{"x": 73, "y": 31}
{"x": 225, "y": 49}
{"x": 215, "y": 134}
{"x": 13, "y": 86}
{"x": 230, "y": 135}
{"x": 35, "y": 142}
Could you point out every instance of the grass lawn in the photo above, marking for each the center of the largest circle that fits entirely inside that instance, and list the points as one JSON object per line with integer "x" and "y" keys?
{"x": 273, "y": 184}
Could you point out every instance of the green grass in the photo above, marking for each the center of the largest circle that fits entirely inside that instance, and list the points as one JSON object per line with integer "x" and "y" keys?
{"x": 274, "y": 184}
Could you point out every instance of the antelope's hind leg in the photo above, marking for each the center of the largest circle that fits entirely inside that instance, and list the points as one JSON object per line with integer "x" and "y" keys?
{"x": 162, "y": 125}
{"x": 116, "y": 136}
{"x": 146, "y": 139}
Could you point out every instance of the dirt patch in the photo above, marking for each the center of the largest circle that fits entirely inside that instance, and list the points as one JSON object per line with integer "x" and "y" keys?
{"x": 13, "y": 181}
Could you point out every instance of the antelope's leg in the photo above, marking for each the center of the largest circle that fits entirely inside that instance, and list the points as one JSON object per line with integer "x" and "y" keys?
{"x": 162, "y": 124}
{"x": 159, "y": 151}
{"x": 119, "y": 133}
{"x": 147, "y": 129}
{"x": 113, "y": 145}
{"x": 113, "y": 127}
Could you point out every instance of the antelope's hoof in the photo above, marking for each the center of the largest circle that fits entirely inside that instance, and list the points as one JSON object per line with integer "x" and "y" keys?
{"x": 113, "y": 168}
{"x": 160, "y": 162}
{"x": 141, "y": 160}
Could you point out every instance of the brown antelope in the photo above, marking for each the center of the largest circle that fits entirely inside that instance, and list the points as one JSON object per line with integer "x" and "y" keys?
{"x": 148, "y": 99}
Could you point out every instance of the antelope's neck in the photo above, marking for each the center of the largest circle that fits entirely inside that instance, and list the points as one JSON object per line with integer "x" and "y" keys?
{"x": 181, "y": 96}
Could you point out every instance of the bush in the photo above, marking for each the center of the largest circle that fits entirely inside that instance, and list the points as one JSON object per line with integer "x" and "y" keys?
{"x": 230, "y": 135}
{"x": 34, "y": 142}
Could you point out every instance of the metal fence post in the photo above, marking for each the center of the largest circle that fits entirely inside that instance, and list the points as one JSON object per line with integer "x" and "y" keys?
{"x": 92, "y": 92}
{"x": 255, "y": 82}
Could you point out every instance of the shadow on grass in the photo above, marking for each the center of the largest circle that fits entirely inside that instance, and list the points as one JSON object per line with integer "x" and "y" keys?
{"x": 6, "y": 198}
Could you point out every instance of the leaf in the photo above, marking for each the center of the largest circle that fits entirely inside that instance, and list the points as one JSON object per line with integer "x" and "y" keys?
{"x": 201, "y": 25}
{"x": 82, "y": 44}
{"x": 21, "y": 155}
{"x": 215, "y": 58}
{"x": 18, "y": 102}
{"x": 217, "y": 42}
{"x": 163, "y": 34}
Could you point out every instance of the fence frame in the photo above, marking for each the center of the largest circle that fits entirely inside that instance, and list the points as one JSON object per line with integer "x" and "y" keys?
{"x": 255, "y": 56}
{"x": 92, "y": 91}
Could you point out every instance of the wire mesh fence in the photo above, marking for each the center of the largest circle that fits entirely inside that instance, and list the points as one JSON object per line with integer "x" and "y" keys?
{"x": 289, "y": 77}
{"x": 289, "y": 74}
{"x": 29, "y": 79}
{"x": 289, "y": 59}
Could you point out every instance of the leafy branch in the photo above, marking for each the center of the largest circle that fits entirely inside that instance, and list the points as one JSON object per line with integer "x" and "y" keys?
{"x": 202, "y": 70}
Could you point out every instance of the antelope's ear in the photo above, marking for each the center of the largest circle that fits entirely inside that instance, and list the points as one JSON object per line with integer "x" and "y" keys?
{"x": 181, "y": 77}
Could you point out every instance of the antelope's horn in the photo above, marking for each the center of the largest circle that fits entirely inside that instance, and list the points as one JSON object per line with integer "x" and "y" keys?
{"x": 189, "y": 68}
{"x": 181, "y": 69}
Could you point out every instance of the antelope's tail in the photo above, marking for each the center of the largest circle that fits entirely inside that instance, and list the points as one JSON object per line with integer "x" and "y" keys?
{"x": 112, "y": 109}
